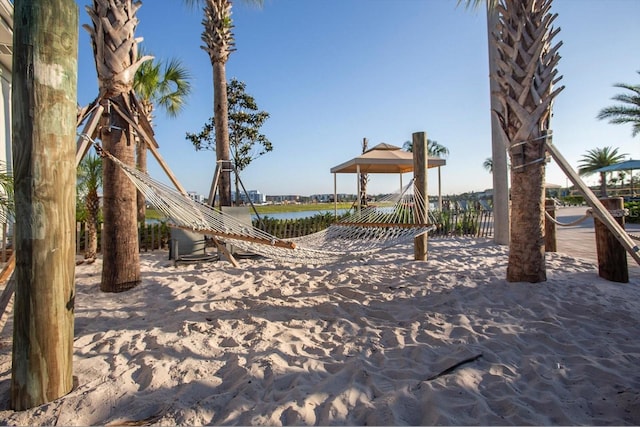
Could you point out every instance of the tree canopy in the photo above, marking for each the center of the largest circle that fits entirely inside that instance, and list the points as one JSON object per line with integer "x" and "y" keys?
{"x": 626, "y": 112}
{"x": 245, "y": 120}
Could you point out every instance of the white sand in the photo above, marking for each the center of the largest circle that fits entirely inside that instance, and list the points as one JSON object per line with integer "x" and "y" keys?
{"x": 351, "y": 344}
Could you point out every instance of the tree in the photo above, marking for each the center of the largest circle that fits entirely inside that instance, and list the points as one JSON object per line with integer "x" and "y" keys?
{"x": 433, "y": 148}
{"x": 7, "y": 198}
{"x": 630, "y": 113}
{"x": 596, "y": 159}
{"x": 115, "y": 50}
{"x": 219, "y": 43}
{"x": 89, "y": 182}
{"x": 43, "y": 114}
{"x": 364, "y": 177}
{"x": 245, "y": 121}
{"x": 526, "y": 74}
{"x": 163, "y": 84}
{"x": 488, "y": 164}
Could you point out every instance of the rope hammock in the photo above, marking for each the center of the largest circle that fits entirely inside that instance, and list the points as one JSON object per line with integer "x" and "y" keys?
{"x": 394, "y": 220}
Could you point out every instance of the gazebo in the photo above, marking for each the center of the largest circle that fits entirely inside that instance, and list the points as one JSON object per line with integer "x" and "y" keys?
{"x": 383, "y": 158}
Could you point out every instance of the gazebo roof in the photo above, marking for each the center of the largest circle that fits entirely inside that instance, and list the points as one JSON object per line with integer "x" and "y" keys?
{"x": 384, "y": 158}
{"x": 627, "y": 165}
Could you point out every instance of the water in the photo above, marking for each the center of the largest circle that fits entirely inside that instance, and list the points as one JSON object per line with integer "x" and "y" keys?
{"x": 299, "y": 214}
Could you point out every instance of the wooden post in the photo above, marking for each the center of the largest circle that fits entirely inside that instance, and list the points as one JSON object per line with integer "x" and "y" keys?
{"x": 420, "y": 177}
{"x": 4, "y": 242}
{"x": 78, "y": 236}
{"x": 500, "y": 171}
{"x": 612, "y": 257}
{"x": 550, "y": 242}
{"x": 44, "y": 94}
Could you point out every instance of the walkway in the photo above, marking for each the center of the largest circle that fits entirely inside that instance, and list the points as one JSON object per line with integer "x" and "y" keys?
{"x": 580, "y": 240}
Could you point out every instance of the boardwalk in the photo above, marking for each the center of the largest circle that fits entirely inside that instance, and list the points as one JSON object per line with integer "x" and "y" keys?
{"x": 580, "y": 241}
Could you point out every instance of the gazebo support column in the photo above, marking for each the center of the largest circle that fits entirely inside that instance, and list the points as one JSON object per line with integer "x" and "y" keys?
{"x": 335, "y": 196}
{"x": 420, "y": 176}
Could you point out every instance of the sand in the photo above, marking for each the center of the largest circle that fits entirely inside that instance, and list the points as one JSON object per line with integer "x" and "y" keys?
{"x": 386, "y": 341}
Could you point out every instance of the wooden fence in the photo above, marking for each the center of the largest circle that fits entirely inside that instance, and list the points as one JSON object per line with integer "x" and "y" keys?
{"x": 449, "y": 223}
{"x": 468, "y": 222}
{"x": 151, "y": 237}
{"x": 462, "y": 222}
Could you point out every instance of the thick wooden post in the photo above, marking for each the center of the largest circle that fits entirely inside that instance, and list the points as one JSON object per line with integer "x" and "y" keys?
{"x": 44, "y": 94}
{"x": 500, "y": 171}
{"x": 550, "y": 242}
{"x": 612, "y": 256}
{"x": 420, "y": 176}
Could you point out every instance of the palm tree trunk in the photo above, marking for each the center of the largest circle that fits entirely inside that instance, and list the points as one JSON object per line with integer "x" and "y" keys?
{"x": 221, "y": 117}
{"x": 526, "y": 252}
{"x": 526, "y": 75}
{"x": 91, "y": 251}
{"x": 603, "y": 184}
{"x": 44, "y": 125}
{"x": 116, "y": 57}
{"x": 120, "y": 254}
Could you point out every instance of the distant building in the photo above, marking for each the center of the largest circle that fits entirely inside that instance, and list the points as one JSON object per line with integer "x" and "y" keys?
{"x": 284, "y": 199}
{"x": 328, "y": 198}
{"x": 256, "y": 197}
{"x": 195, "y": 196}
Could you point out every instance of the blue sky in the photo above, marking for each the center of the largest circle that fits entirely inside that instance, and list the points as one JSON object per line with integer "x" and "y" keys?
{"x": 332, "y": 72}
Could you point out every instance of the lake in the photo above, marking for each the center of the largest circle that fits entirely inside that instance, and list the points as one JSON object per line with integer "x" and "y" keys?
{"x": 299, "y": 214}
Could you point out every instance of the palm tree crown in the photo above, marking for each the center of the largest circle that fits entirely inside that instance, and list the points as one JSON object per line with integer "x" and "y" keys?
{"x": 433, "y": 148}
{"x": 488, "y": 164}
{"x": 165, "y": 84}
{"x": 599, "y": 158}
{"x": 628, "y": 111}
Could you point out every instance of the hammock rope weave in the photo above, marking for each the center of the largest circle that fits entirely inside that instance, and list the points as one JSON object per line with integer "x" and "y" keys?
{"x": 392, "y": 221}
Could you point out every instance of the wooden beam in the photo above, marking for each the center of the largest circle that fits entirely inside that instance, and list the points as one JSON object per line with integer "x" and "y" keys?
{"x": 83, "y": 143}
{"x": 380, "y": 225}
{"x": 233, "y": 236}
{"x": 598, "y": 208}
{"x": 166, "y": 169}
{"x": 152, "y": 144}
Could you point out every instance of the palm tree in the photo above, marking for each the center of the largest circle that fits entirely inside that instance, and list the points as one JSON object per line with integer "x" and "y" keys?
{"x": 166, "y": 85}
{"x": 7, "y": 200}
{"x": 89, "y": 181}
{"x": 630, "y": 113}
{"x": 599, "y": 158}
{"x": 433, "y": 148}
{"x": 526, "y": 75}
{"x": 364, "y": 177}
{"x": 219, "y": 43}
{"x": 488, "y": 164}
{"x": 115, "y": 50}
